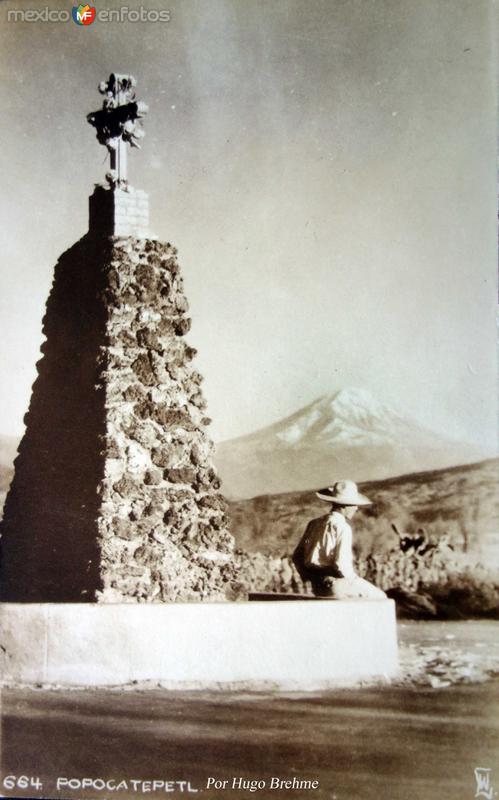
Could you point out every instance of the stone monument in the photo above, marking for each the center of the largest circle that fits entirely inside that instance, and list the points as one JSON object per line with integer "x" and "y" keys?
{"x": 114, "y": 497}
{"x": 115, "y": 509}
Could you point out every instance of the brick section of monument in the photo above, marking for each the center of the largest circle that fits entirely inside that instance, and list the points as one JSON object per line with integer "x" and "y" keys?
{"x": 115, "y": 497}
{"x": 119, "y": 212}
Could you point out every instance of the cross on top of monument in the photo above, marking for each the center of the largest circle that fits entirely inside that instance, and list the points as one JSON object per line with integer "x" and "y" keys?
{"x": 118, "y": 122}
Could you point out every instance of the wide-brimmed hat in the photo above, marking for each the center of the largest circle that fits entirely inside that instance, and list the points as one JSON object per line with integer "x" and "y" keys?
{"x": 344, "y": 493}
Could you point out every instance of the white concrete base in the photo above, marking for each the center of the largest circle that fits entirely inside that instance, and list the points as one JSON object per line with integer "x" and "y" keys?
{"x": 298, "y": 645}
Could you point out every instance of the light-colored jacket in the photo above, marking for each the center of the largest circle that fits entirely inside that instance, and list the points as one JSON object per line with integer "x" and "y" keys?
{"x": 327, "y": 543}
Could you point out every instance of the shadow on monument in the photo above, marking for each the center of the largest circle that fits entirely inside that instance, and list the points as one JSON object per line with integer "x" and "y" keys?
{"x": 50, "y": 544}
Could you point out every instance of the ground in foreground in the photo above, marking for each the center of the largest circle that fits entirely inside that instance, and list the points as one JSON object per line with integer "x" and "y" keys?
{"x": 410, "y": 740}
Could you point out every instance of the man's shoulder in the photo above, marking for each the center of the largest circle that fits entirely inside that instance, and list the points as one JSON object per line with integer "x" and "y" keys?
{"x": 319, "y": 523}
{"x": 339, "y": 522}
{"x": 313, "y": 532}
{"x": 319, "y": 520}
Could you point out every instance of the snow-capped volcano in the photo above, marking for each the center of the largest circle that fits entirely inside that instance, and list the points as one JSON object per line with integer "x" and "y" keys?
{"x": 346, "y": 434}
{"x": 351, "y": 416}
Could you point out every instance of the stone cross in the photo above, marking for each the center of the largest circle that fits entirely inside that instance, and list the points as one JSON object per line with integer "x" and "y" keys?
{"x": 118, "y": 122}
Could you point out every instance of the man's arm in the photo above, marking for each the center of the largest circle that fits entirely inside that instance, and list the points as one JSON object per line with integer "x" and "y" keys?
{"x": 319, "y": 549}
{"x": 344, "y": 555}
{"x": 304, "y": 551}
{"x": 309, "y": 555}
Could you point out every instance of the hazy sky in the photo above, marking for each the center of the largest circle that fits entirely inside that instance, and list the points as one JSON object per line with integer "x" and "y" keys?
{"x": 326, "y": 169}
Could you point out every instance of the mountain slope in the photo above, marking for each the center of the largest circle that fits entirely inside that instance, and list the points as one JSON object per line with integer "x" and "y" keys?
{"x": 346, "y": 434}
{"x": 462, "y": 502}
{"x": 8, "y": 450}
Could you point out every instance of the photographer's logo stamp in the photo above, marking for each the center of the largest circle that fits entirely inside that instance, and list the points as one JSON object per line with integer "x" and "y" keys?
{"x": 484, "y": 786}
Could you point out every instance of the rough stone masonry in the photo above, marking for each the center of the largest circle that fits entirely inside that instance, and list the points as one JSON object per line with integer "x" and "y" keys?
{"x": 115, "y": 497}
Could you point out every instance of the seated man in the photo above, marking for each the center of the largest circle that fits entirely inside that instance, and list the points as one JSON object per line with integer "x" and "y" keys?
{"x": 324, "y": 553}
